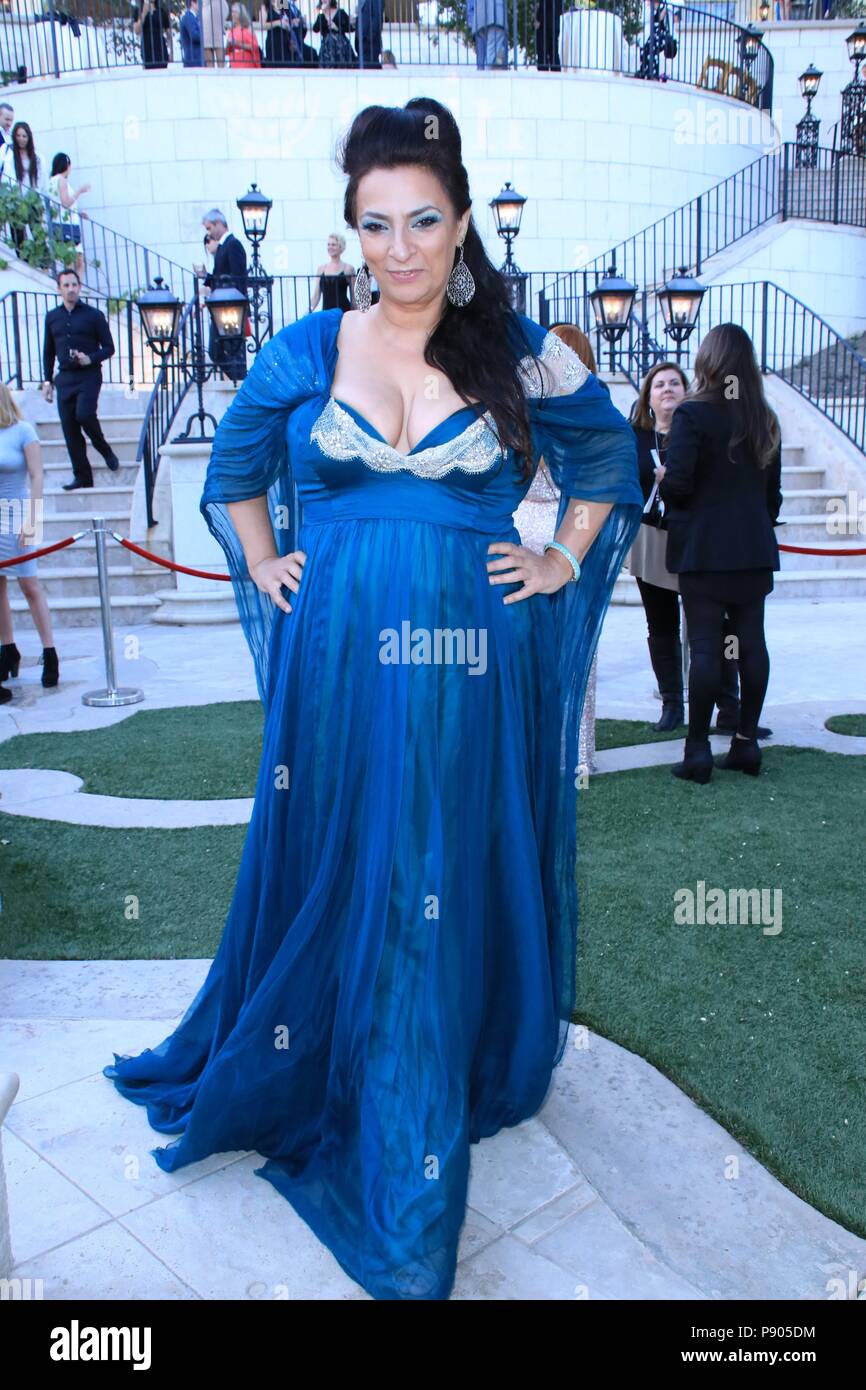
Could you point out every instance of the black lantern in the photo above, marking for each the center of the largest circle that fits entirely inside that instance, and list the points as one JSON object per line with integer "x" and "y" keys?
{"x": 160, "y": 315}
{"x": 810, "y": 81}
{"x": 750, "y": 43}
{"x": 856, "y": 45}
{"x": 508, "y": 212}
{"x": 228, "y": 309}
{"x": 764, "y": 11}
{"x": 680, "y": 303}
{"x": 612, "y": 302}
{"x": 852, "y": 124}
{"x": 806, "y": 149}
{"x": 254, "y": 209}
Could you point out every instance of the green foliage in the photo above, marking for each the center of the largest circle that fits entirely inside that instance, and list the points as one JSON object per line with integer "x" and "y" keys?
{"x": 26, "y": 212}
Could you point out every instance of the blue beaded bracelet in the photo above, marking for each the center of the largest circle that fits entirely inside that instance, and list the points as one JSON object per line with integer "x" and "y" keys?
{"x": 572, "y": 559}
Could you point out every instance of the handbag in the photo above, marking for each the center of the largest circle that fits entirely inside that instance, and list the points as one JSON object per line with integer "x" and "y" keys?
{"x": 671, "y": 46}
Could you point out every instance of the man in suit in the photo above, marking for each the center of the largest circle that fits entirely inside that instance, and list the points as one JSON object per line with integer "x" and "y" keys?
{"x": 78, "y": 339}
{"x": 229, "y": 268}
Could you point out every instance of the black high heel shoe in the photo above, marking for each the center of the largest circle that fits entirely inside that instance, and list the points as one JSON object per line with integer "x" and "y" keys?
{"x": 50, "y": 666}
{"x": 5, "y": 695}
{"x": 697, "y": 764}
{"x": 10, "y": 659}
{"x": 744, "y": 755}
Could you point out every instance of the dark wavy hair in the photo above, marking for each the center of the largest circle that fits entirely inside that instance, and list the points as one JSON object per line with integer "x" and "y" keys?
{"x": 640, "y": 411}
{"x": 30, "y": 151}
{"x": 727, "y": 372}
{"x": 479, "y": 346}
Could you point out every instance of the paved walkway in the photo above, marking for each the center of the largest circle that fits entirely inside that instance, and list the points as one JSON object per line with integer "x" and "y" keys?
{"x": 616, "y": 1189}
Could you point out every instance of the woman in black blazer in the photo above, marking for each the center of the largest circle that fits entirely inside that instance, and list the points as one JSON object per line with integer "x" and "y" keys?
{"x": 722, "y": 494}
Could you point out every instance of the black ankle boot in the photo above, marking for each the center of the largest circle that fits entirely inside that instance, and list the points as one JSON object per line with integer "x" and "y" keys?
{"x": 50, "y": 666}
{"x": 744, "y": 755}
{"x": 9, "y": 660}
{"x": 697, "y": 764}
{"x": 5, "y": 695}
{"x": 666, "y": 656}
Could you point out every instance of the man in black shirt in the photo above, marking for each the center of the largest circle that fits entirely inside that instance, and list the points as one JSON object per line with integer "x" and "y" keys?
{"x": 78, "y": 338}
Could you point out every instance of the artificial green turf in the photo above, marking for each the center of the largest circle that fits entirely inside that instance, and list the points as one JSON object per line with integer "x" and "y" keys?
{"x": 194, "y": 752}
{"x": 622, "y": 733}
{"x": 764, "y": 1032}
{"x": 76, "y": 892}
{"x": 852, "y": 724}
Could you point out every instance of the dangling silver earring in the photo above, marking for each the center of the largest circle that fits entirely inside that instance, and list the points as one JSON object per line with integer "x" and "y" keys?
{"x": 363, "y": 298}
{"x": 461, "y": 286}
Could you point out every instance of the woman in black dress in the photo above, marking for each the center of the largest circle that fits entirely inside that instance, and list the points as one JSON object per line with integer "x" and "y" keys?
{"x": 334, "y": 24}
{"x": 152, "y": 24}
{"x": 722, "y": 491}
{"x": 336, "y": 278}
{"x": 284, "y": 30}
{"x": 661, "y": 391}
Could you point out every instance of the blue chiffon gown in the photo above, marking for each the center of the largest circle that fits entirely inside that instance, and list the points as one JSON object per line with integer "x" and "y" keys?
{"x": 397, "y": 971}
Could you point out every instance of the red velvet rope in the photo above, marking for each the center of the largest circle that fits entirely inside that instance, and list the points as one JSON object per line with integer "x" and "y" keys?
{"x": 46, "y": 550}
{"x": 169, "y": 564}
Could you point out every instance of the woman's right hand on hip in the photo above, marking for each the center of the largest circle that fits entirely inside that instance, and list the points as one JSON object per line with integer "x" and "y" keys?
{"x": 270, "y": 575}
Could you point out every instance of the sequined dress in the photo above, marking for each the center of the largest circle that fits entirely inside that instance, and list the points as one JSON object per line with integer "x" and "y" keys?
{"x": 535, "y": 519}
{"x": 397, "y": 971}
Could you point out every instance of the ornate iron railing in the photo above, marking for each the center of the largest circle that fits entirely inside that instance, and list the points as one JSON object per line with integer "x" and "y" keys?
{"x": 640, "y": 38}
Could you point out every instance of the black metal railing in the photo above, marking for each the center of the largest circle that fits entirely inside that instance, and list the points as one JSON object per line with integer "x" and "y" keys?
{"x": 110, "y": 264}
{"x": 791, "y": 342}
{"x": 641, "y": 38}
{"x": 22, "y": 336}
{"x": 169, "y": 390}
{"x": 770, "y": 186}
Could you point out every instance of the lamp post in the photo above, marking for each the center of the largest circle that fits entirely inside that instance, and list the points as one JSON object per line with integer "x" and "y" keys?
{"x": 161, "y": 316}
{"x": 680, "y": 303}
{"x": 612, "y": 302}
{"x": 254, "y": 208}
{"x": 852, "y": 125}
{"x": 750, "y": 41}
{"x": 507, "y": 213}
{"x": 806, "y": 152}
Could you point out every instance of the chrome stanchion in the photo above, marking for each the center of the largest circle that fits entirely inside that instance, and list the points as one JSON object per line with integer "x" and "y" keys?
{"x": 111, "y": 694}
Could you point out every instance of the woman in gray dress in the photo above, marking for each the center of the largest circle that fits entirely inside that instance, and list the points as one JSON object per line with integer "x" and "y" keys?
{"x": 20, "y": 518}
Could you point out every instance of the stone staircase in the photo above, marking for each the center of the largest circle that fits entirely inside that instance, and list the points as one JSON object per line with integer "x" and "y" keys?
{"x": 69, "y": 575}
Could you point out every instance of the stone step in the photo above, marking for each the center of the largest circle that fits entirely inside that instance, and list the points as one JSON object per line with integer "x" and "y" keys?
{"x": 84, "y": 611}
{"x": 797, "y": 476}
{"x": 82, "y": 555}
{"x": 812, "y": 501}
{"x": 806, "y": 528}
{"x": 82, "y": 582}
{"x": 121, "y": 425}
{"x": 88, "y": 501}
{"x": 54, "y": 453}
{"x": 846, "y": 561}
{"x": 58, "y": 473}
{"x": 56, "y": 526}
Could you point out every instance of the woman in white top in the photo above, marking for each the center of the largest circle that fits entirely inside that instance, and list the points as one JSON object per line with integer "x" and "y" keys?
{"x": 20, "y": 526}
{"x": 63, "y": 210}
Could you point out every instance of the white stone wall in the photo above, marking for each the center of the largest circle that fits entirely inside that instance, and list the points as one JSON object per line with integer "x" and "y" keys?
{"x": 598, "y": 156}
{"x": 821, "y": 265}
{"x": 794, "y": 47}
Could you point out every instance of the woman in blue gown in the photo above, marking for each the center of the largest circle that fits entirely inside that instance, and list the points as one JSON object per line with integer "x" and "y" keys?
{"x": 397, "y": 971}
